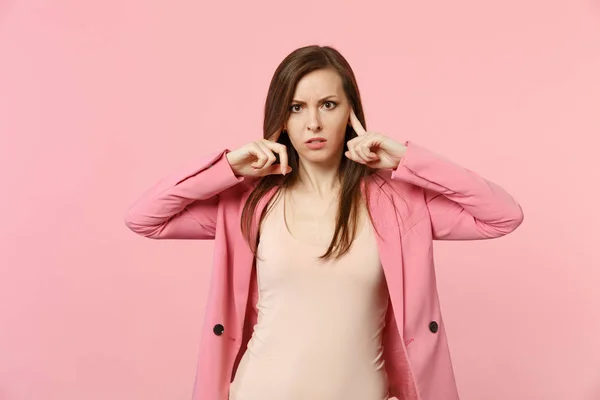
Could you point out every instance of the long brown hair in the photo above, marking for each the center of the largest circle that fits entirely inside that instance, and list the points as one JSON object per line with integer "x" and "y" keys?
{"x": 279, "y": 97}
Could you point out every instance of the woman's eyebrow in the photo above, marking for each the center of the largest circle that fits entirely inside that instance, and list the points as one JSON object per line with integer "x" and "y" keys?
{"x": 323, "y": 99}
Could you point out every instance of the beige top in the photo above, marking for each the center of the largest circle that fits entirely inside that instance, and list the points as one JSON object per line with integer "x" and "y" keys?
{"x": 318, "y": 334}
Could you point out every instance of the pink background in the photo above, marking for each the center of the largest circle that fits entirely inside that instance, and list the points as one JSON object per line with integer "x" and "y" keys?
{"x": 100, "y": 99}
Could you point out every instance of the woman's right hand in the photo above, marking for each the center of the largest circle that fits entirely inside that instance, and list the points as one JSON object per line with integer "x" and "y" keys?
{"x": 256, "y": 159}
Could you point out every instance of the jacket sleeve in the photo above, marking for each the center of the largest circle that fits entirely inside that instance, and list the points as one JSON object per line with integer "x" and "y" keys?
{"x": 183, "y": 205}
{"x": 462, "y": 205}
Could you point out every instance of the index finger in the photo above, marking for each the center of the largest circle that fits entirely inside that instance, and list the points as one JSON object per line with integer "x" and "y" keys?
{"x": 281, "y": 151}
{"x": 356, "y": 125}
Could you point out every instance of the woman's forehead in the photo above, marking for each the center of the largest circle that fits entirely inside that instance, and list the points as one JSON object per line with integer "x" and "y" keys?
{"x": 318, "y": 85}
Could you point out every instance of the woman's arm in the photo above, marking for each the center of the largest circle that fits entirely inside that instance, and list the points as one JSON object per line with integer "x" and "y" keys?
{"x": 184, "y": 204}
{"x": 462, "y": 205}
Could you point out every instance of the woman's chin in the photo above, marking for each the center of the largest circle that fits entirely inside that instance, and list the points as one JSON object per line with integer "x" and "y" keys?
{"x": 320, "y": 157}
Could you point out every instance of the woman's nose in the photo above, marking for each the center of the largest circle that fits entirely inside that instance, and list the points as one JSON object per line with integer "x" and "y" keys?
{"x": 314, "y": 121}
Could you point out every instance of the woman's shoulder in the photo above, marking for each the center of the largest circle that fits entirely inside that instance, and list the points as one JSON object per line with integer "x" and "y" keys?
{"x": 383, "y": 180}
{"x": 237, "y": 195}
{"x": 243, "y": 188}
{"x": 407, "y": 198}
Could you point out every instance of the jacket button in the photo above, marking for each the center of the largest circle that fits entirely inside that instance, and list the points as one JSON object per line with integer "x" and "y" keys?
{"x": 218, "y": 329}
{"x": 433, "y": 326}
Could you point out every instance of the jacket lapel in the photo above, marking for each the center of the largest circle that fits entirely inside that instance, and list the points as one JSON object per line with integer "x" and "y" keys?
{"x": 243, "y": 263}
{"x": 385, "y": 221}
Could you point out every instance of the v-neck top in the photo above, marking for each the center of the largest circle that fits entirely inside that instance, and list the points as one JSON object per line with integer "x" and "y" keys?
{"x": 318, "y": 333}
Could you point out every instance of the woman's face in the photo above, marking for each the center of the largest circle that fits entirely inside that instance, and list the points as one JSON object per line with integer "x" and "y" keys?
{"x": 319, "y": 114}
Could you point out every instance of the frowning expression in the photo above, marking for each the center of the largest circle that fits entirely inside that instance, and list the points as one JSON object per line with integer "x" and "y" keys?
{"x": 319, "y": 114}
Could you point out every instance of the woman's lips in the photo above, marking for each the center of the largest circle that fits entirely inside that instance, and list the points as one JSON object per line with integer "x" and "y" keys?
{"x": 316, "y": 143}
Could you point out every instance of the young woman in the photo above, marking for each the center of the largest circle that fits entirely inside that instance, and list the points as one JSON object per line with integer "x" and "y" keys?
{"x": 323, "y": 284}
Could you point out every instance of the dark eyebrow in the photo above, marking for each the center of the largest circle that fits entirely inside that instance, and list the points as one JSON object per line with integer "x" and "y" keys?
{"x": 320, "y": 101}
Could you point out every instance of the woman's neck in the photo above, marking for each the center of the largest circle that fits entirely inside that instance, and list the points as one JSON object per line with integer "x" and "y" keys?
{"x": 320, "y": 179}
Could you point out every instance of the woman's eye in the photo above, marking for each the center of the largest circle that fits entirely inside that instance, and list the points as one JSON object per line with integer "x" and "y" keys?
{"x": 329, "y": 105}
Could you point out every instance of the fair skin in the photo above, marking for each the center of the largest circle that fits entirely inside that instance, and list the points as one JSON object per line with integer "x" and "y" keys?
{"x": 320, "y": 110}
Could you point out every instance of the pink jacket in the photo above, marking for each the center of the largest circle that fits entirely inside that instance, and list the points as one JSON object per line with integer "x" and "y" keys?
{"x": 426, "y": 198}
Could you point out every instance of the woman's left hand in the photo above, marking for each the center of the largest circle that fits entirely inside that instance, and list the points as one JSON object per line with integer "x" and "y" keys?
{"x": 373, "y": 149}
